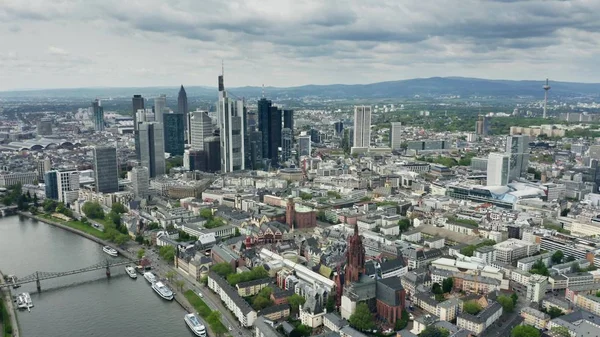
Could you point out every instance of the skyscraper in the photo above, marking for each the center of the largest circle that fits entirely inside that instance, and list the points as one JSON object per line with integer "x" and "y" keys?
{"x": 338, "y": 127}
{"x": 51, "y": 182}
{"x": 174, "y": 130}
{"x": 286, "y": 144}
{"x": 395, "y": 133}
{"x": 152, "y": 148}
{"x": 304, "y": 145}
{"x": 264, "y": 125}
{"x": 288, "y": 119}
{"x": 106, "y": 171}
{"x": 44, "y": 127}
{"x": 482, "y": 126}
{"x": 160, "y": 103}
{"x": 255, "y": 145}
{"x": 362, "y": 127}
{"x": 212, "y": 151}
{"x": 200, "y": 127}
{"x": 44, "y": 166}
{"x": 182, "y": 107}
{"x": 274, "y": 135}
{"x": 517, "y": 147}
{"x": 98, "y": 115}
{"x": 140, "y": 181}
{"x": 137, "y": 103}
{"x": 498, "y": 169}
{"x": 68, "y": 186}
{"x": 231, "y": 124}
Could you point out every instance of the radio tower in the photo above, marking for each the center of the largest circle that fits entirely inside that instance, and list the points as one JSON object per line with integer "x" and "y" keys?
{"x": 546, "y": 88}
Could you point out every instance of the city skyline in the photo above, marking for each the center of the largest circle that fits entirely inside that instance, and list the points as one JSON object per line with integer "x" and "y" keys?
{"x": 350, "y": 43}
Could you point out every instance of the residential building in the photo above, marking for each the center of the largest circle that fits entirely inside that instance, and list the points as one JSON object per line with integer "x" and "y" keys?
{"x": 527, "y": 263}
{"x": 514, "y": 249}
{"x": 362, "y": 127}
{"x": 395, "y": 135}
{"x": 230, "y": 298}
{"x": 536, "y": 288}
{"x": 68, "y": 186}
{"x": 486, "y": 253}
{"x": 535, "y": 317}
{"x": 152, "y": 150}
{"x": 275, "y": 312}
{"x": 589, "y": 302}
{"x": 174, "y": 132}
{"x": 498, "y": 169}
{"x": 478, "y": 323}
{"x": 251, "y": 288}
{"x": 106, "y": 171}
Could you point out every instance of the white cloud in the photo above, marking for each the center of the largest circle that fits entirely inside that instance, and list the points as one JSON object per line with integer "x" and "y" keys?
{"x": 57, "y": 51}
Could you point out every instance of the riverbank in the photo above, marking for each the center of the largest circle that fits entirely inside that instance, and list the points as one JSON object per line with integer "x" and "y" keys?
{"x": 8, "y": 311}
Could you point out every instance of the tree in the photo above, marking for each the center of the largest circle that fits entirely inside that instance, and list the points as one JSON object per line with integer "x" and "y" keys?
{"x": 330, "y": 306}
{"x": 404, "y": 224}
{"x": 167, "y": 253}
{"x": 139, "y": 239}
{"x": 525, "y": 331}
{"x": 555, "y": 312}
{"x": 35, "y": 200}
{"x": 214, "y": 319}
{"x": 570, "y": 258}
{"x": 447, "y": 284}
{"x": 261, "y": 302}
{"x": 170, "y": 275}
{"x": 305, "y": 196}
{"x": 539, "y": 268}
{"x": 362, "y": 319}
{"x": 115, "y": 218}
{"x": 179, "y": 284}
{"x": 141, "y": 252}
{"x": 93, "y": 210}
{"x": 402, "y": 322}
{"x": 121, "y": 239}
{"x": 437, "y": 288}
{"x": 118, "y": 208}
{"x": 472, "y": 307}
{"x": 557, "y": 257}
{"x": 206, "y": 213}
{"x": 296, "y": 301}
{"x": 224, "y": 269}
{"x": 432, "y": 331}
{"x": 514, "y": 298}
{"x": 507, "y": 303}
{"x": 560, "y": 331}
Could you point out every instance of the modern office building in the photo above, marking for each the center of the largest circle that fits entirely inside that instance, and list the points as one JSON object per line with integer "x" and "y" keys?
{"x": 517, "y": 147}
{"x": 482, "y": 126}
{"x": 479, "y": 164}
{"x": 288, "y": 119}
{"x": 286, "y": 144}
{"x": 51, "y": 182}
{"x": 338, "y": 127}
{"x": 68, "y": 186}
{"x": 160, "y": 104}
{"x": 395, "y": 133}
{"x": 182, "y": 107}
{"x": 137, "y": 103}
{"x": 304, "y": 146}
{"x": 44, "y": 127}
{"x": 174, "y": 132}
{"x": 140, "y": 181}
{"x": 200, "y": 128}
{"x": 428, "y": 145}
{"x": 498, "y": 169}
{"x": 212, "y": 150}
{"x": 152, "y": 148}
{"x": 231, "y": 125}
{"x": 194, "y": 160}
{"x": 98, "y": 115}
{"x": 44, "y": 165}
{"x": 255, "y": 149}
{"x": 269, "y": 124}
{"x": 362, "y": 127}
{"x": 106, "y": 170}
{"x": 536, "y": 288}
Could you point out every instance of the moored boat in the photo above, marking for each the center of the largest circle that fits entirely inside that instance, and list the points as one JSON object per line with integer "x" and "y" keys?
{"x": 163, "y": 291}
{"x": 131, "y": 272}
{"x": 150, "y": 277}
{"x": 110, "y": 251}
{"x": 193, "y": 322}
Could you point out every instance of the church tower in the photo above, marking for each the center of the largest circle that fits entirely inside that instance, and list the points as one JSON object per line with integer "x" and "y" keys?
{"x": 290, "y": 213}
{"x": 355, "y": 258}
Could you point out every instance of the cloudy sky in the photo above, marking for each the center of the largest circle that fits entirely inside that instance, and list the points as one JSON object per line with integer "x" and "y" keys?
{"x": 91, "y": 43}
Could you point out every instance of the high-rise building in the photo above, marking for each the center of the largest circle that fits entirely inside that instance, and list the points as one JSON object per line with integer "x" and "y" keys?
{"x": 140, "y": 181}
{"x": 269, "y": 123}
{"x": 174, "y": 132}
{"x": 44, "y": 127}
{"x": 182, "y": 107}
{"x": 137, "y": 103}
{"x": 255, "y": 145}
{"x": 338, "y": 127}
{"x": 517, "y": 146}
{"x": 212, "y": 151}
{"x": 231, "y": 113}
{"x": 395, "y": 134}
{"x": 288, "y": 119}
{"x": 44, "y": 166}
{"x": 482, "y": 126}
{"x": 106, "y": 170}
{"x": 304, "y": 145}
{"x": 160, "y": 104}
{"x": 51, "y": 182}
{"x": 98, "y": 115}
{"x": 498, "y": 169}
{"x": 362, "y": 127}
{"x": 68, "y": 186}
{"x": 194, "y": 160}
{"x": 315, "y": 136}
{"x": 152, "y": 148}
{"x": 200, "y": 127}
{"x": 286, "y": 144}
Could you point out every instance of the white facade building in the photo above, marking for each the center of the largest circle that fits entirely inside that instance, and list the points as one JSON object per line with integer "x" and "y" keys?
{"x": 68, "y": 186}
{"x": 498, "y": 169}
{"x": 362, "y": 127}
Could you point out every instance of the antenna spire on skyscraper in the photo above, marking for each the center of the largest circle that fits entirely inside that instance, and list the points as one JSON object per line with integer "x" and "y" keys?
{"x": 263, "y": 90}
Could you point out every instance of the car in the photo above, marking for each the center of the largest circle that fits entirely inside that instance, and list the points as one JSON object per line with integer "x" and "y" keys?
{"x": 411, "y": 316}
{"x": 230, "y": 328}
{"x": 202, "y": 296}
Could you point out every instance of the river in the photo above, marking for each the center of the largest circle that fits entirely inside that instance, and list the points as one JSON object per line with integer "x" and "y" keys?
{"x": 88, "y": 304}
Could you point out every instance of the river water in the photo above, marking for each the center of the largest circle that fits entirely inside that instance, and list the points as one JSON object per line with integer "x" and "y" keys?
{"x": 88, "y": 304}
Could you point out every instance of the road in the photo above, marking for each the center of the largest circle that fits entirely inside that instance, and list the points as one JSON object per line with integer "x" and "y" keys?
{"x": 211, "y": 299}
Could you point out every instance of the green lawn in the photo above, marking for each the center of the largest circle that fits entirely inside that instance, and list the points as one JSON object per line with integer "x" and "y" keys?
{"x": 77, "y": 225}
{"x": 204, "y": 311}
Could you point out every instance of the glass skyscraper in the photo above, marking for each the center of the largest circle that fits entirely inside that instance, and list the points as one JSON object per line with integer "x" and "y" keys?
{"x": 106, "y": 170}
{"x": 174, "y": 130}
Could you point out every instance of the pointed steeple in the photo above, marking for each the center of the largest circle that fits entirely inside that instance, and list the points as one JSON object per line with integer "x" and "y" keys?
{"x": 355, "y": 229}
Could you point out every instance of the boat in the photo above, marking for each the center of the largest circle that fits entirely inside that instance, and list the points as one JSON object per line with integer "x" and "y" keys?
{"x": 162, "y": 290}
{"x": 21, "y": 302}
{"x": 110, "y": 251}
{"x": 131, "y": 272}
{"x": 195, "y": 325}
{"x": 150, "y": 277}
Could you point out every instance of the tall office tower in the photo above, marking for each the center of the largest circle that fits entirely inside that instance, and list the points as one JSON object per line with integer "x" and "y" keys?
{"x": 517, "y": 147}
{"x": 43, "y": 166}
{"x": 275, "y": 135}
{"x": 98, "y": 115}
{"x": 395, "y": 134}
{"x": 362, "y": 127}
{"x": 498, "y": 169}
{"x": 231, "y": 124}
{"x": 68, "y": 186}
{"x": 212, "y": 151}
{"x": 264, "y": 125}
{"x": 182, "y": 107}
{"x": 255, "y": 144}
{"x": 174, "y": 130}
{"x": 482, "y": 126}
{"x": 195, "y": 160}
{"x": 137, "y": 103}
{"x": 200, "y": 127}
{"x": 140, "y": 181}
{"x": 106, "y": 170}
{"x": 288, "y": 119}
{"x": 160, "y": 104}
{"x": 44, "y": 127}
{"x": 286, "y": 144}
{"x": 304, "y": 146}
{"x": 315, "y": 136}
{"x": 51, "y": 182}
{"x": 338, "y": 127}
{"x": 152, "y": 148}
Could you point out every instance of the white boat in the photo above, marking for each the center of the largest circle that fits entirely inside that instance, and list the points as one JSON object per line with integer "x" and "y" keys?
{"x": 21, "y": 303}
{"x": 162, "y": 290}
{"x": 150, "y": 277}
{"x": 195, "y": 325}
{"x": 110, "y": 251}
{"x": 131, "y": 272}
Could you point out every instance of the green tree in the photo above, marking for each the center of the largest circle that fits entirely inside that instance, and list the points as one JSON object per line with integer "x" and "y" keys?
{"x": 296, "y": 301}
{"x": 557, "y": 257}
{"x": 121, "y": 239}
{"x": 525, "y": 331}
{"x": 334, "y": 194}
{"x": 437, "y": 288}
{"x": 433, "y": 331}
{"x": 93, "y": 210}
{"x": 167, "y": 253}
{"x": 514, "y": 297}
{"x": 214, "y": 319}
{"x": 179, "y": 284}
{"x": 539, "y": 268}
{"x": 35, "y": 200}
{"x": 472, "y": 307}
{"x": 224, "y": 269}
{"x": 118, "y": 208}
{"x": 404, "y": 224}
{"x": 402, "y": 322}
{"x": 447, "y": 284}
{"x": 570, "y": 258}
{"x": 555, "y": 312}
{"x": 507, "y": 303}
{"x": 141, "y": 252}
{"x": 115, "y": 218}
{"x": 305, "y": 196}
{"x": 330, "y": 306}
{"x": 206, "y": 213}
{"x": 170, "y": 275}
{"x": 560, "y": 331}
{"x": 362, "y": 319}
{"x": 214, "y": 222}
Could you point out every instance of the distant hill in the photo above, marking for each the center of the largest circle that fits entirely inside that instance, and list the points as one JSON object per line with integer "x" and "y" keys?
{"x": 434, "y": 86}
